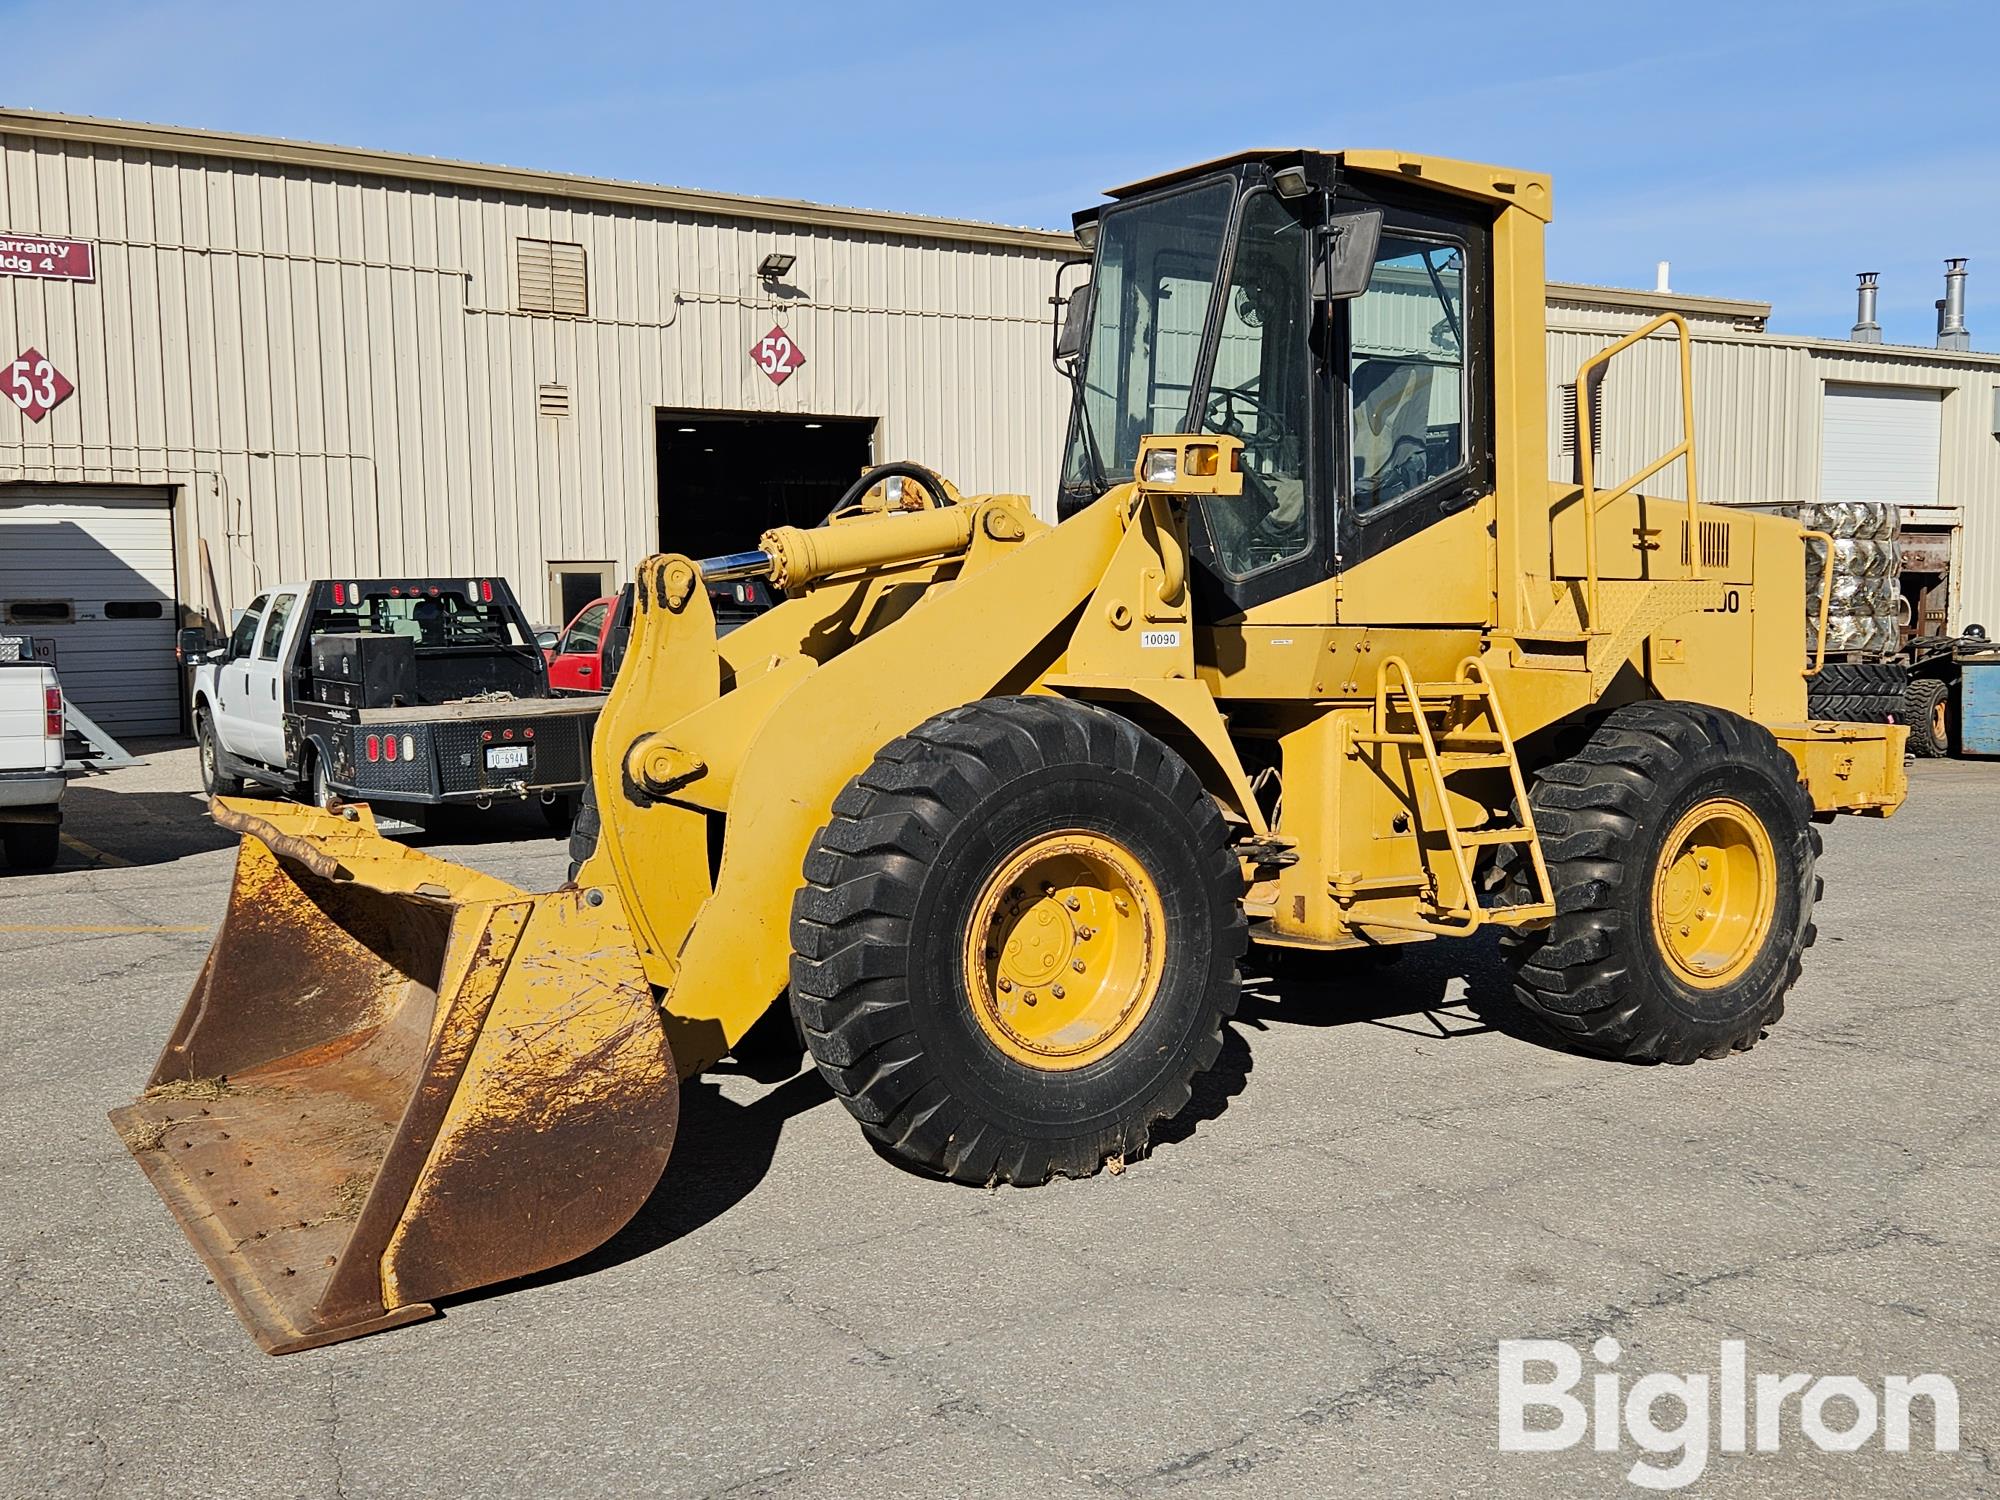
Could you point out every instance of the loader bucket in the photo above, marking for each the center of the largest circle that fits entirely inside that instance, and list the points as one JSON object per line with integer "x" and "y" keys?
{"x": 397, "y": 1079}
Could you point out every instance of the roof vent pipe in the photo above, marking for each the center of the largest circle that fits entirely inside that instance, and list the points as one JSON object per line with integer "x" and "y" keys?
{"x": 1952, "y": 333}
{"x": 1866, "y": 330}
{"x": 1660, "y": 279}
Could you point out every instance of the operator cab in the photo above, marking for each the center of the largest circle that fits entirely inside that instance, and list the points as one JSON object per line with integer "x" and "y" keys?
{"x": 1337, "y": 322}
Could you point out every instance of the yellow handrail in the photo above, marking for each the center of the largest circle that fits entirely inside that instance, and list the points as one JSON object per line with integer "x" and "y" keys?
{"x": 1585, "y": 440}
{"x": 1825, "y": 603}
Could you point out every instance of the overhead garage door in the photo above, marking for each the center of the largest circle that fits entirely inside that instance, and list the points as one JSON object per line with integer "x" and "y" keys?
{"x": 1880, "y": 442}
{"x": 93, "y": 569}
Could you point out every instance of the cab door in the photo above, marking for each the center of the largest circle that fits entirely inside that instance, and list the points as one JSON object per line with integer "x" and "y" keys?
{"x": 578, "y": 664}
{"x": 232, "y": 678}
{"x": 263, "y": 707}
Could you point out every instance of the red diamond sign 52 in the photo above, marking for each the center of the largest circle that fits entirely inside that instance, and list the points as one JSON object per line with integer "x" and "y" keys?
{"x": 35, "y": 385}
{"x": 777, "y": 356}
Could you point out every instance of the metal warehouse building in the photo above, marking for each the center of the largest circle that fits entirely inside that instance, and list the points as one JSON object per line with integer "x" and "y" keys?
{"x": 229, "y": 361}
{"x": 1783, "y": 418}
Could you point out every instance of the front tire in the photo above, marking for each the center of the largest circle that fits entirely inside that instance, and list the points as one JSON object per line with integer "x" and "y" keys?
{"x": 1018, "y": 940}
{"x": 214, "y": 780}
{"x": 1682, "y": 854}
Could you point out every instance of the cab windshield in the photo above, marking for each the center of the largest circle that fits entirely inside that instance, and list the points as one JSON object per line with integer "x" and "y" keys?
{"x": 1155, "y": 273}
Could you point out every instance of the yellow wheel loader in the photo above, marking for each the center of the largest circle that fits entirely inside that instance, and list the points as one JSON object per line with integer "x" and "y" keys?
{"x": 1320, "y": 658}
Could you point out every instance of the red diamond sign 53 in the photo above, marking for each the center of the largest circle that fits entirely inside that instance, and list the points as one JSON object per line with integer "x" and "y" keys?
{"x": 35, "y": 385}
{"x": 777, "y": 356}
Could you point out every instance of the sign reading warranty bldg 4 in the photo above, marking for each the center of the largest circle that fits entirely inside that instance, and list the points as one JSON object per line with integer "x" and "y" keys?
{"x": 52, "y": 260}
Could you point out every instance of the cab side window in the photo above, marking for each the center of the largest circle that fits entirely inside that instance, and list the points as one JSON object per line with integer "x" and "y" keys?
{"x": 274, "y": 626}
{"x": 244, "y": 636}
{"x": 1407, "y": 371}
{"x": 586, "y": 631}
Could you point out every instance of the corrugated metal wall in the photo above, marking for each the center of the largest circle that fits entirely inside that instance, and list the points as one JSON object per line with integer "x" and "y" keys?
{"x": 330, "y": 368}
{"x": 1758, "y": 409}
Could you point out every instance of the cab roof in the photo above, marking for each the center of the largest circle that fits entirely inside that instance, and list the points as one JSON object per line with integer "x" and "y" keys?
{"x": 1500, "y": 186}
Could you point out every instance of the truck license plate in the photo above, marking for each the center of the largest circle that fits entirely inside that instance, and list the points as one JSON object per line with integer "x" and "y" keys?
{"x": 506, "y": 757}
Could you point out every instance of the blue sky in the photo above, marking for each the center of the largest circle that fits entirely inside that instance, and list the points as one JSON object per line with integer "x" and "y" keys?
{"x": 1766, "y": 150}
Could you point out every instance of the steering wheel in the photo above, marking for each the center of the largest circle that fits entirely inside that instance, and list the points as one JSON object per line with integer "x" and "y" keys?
{"x": 1222, "y": 417}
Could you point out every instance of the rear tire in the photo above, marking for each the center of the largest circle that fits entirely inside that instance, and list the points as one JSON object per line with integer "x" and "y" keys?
{"x": 1017, "y": 941}
{"x": 1927, "y": 710}
{"x": 1680, "y": 847}
{"x": 318, "y": 788}
{"x": 214, "y": 780}
{"x": 31, "y": 846}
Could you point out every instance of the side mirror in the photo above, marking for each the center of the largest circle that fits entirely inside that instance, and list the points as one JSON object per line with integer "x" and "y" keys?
{"x": 191, "y": 644}
{"x": 1074, "y": 310}
{"x": 1344, "y": 256}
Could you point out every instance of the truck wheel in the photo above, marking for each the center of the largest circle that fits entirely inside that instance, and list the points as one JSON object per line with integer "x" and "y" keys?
{"x": 1682, "y": 854}
{"x": 214, "y": 780}
{"x": 31, "y": 846}
{"x": 1927, "y": 710}
{"x": 1017, "y": 941}
{"x": 319, "y": 790}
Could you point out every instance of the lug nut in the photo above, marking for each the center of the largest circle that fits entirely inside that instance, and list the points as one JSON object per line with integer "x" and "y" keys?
{"x": 1072, "y": 903}
{"x": 1056, "y": 990}
{"x": 1076, "y": 964}
{"x": 1086, "y": 933}
{"x": 1007, "y": 984}
{"x": 1028, "y": 996}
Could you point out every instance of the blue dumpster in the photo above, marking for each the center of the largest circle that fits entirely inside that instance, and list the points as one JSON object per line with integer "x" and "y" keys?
{"x": 1979, "y": 706}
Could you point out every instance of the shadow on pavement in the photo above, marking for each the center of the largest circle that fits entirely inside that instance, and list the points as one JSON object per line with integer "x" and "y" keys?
{"x": 722, "y": 1151}
{"x": 139, "y": 828}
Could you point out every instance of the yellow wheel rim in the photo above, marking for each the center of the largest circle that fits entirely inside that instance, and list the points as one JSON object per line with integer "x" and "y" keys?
{"x": 1715, "y": 892}
{"x": 1065, "y": 950}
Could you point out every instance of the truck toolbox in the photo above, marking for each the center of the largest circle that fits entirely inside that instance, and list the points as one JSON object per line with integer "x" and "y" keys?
{"x": 363, "y": 669}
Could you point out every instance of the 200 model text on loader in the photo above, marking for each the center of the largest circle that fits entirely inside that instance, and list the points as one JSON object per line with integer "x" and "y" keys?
{"x": 1321, "y": 659}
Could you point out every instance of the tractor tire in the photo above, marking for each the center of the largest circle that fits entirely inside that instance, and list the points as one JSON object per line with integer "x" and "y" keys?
{"x": 1864, "y": 692}
{"x": 1662, "y": 800}
{"x": 1927, "y": 710}
{"x": 214, "y": 780}
{"x": 1017, "y": 941}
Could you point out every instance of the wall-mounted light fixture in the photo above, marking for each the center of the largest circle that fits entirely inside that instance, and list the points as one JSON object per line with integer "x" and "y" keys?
{"x": 774, "y": 265}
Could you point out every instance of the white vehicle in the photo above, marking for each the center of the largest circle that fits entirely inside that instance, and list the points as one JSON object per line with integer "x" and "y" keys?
{"x": 31, "y": 759}
{"x": 410, "y": 691}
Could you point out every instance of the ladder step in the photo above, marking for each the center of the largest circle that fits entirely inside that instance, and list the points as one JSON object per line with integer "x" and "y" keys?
{"x": 1464, "y": 760}
{"x": 1445, "y": 690}
{"x": 1484, "y": 836}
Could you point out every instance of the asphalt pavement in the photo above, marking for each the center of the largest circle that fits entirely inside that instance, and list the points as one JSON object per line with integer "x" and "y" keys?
{"x": 1302, "y": 1291}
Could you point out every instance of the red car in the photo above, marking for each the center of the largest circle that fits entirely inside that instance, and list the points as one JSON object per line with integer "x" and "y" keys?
{"x": 576, "y": 665}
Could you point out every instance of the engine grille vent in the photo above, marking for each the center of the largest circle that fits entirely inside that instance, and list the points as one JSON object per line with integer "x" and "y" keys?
{"x": 1714, "y": 544}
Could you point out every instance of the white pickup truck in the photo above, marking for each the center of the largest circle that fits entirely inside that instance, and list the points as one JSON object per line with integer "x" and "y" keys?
{"x": 409, "y": 691}
{"x": 31, "y": 758}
